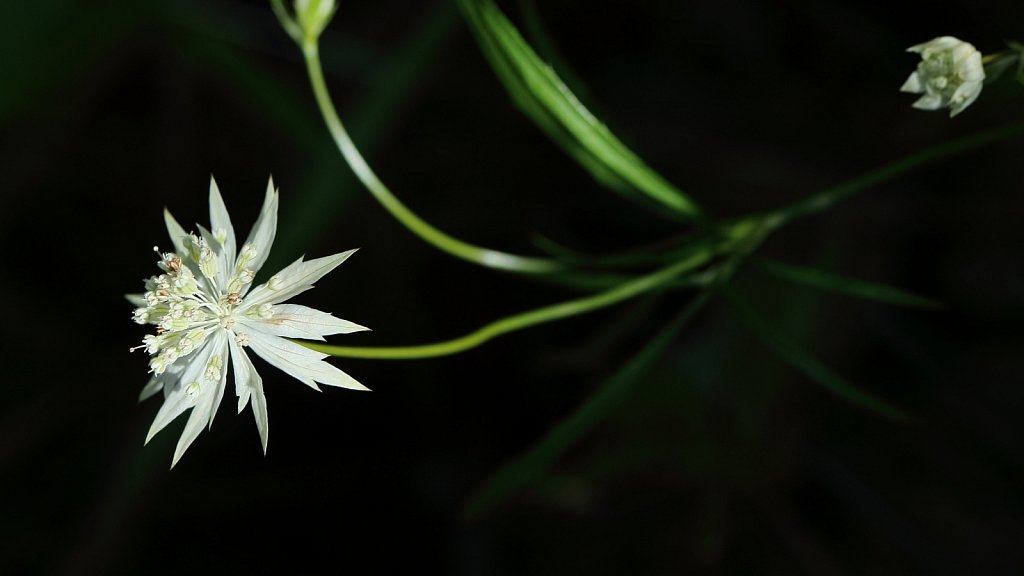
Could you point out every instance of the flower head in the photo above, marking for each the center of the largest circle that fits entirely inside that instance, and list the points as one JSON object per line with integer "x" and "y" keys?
{"x": 207, "y": 316}
{"x": 950, "y": 75}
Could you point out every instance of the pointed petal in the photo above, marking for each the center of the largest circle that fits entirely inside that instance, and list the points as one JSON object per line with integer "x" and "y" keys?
{"x": 176, "y": 399}
{"x": 935, "y": 44}
{"x": 244, "y": 374}
{"x": 221, "y": 342}
{"x": 971, "y": 69}
{"x": 294, "y": 279}
{"x": 175, "y": 403}
{"x": 171, "y": 376}
{"x": 299, "y": 362}
{"x": 296, "y": 321}
{"x": 913, "y": 84}
{"x": 154, "y": 385}
{"x": 220, "y": 229}
{"x": 259, "y": 410}
{"x": 220, "y": 222}
{"x": 251, "y": 384}
{"x": 136, "y": 299}
{"x": 265, "y": 228}
{"x": 196, "y": 422}
{"x": 243, "y": 399}
{"x": 928, "y": 102}
{"x": 225, "y": 266}
{"x": 176, "y": 233}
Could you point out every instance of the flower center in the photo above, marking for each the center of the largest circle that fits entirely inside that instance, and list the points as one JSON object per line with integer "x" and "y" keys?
{"x": 187, "y": 303}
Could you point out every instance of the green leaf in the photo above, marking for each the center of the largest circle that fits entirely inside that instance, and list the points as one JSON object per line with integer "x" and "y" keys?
{"x": 790, "y": 351}
{"x": 540, "y": 93}
{"x": 532, "y": 466}
{"x": 849, "y": 286}
{"x": 998, "y": 66}
{"x": 828, "y": 197}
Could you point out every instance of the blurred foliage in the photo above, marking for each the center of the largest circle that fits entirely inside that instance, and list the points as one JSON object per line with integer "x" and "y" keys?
{"x": 717, "y": 458}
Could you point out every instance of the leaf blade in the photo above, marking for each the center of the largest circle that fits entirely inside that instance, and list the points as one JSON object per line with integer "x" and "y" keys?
{"x": 804, "y": 361}
{"x": 538, "y": 90}
{"x": 848, "y": 286}
{"x": 530, "y": 467}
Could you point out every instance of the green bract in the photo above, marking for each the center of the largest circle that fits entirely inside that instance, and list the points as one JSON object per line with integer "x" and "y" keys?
{"x": 314, "y": 15}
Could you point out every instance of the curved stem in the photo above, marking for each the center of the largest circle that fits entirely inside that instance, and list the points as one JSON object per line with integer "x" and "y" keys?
{"x": 742, "y": 238}
{"x": 454, "y": 246}
{"x": 521, "y": 320}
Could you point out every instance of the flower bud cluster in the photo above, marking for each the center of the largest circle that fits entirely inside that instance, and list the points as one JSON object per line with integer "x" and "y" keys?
{"x": 201, "y": 252}
{"x": 178, "y": 307}
{"x": 950, "y": 75}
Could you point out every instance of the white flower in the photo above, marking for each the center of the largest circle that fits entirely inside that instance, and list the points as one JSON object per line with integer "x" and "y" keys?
{"x": 206, "y": 316}
{"x": 950, "y": 75}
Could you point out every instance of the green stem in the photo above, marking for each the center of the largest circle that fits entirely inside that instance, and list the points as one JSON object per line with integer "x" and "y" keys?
{"x": 829, "y": 196}
{"x": 521, "y": 320}
{"x": 286, "y": 20}
{"x": 741, "y": 239}
{"x": 458, "y": 248}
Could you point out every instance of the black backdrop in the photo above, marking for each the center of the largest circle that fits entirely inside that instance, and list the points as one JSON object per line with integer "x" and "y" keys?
{"x": 726, "y": 460}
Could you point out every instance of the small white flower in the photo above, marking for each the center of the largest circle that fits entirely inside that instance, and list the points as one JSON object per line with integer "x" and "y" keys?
{"x": 206, "y": 316}
{"x": 950, "y": 75}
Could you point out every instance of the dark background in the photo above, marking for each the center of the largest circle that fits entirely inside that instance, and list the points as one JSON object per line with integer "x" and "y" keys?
{"x": 725, "y": 460}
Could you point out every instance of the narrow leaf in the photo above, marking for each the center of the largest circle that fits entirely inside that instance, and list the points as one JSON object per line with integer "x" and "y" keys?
{"x": 790, "y": 351}
{"x": 849, "y": 286}
{"x": 531, "y": 466}
{"x": 544, "y": 97}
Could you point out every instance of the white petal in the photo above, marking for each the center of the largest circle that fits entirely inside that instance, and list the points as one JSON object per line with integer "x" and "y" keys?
{"x": 248, "y": 382}
{"x": 225, "y": 266}
{"x": 208, "y": 399}
{"x": 935, "y": 44}
{"x": 971, "y": 69}
{"x": 176, "y": 232}
{"x": 259, "y": 411}
{"x": 299, "y": 362}
{"x": 246, "y": 376}
{"x": 176, "y": 400}
{"x": 137, "y": 299}
{"x": 913, "y": 84}
{"x": 154, "y": 385}
{"x": 295, "y": 321}
{"x": 196, "y": 421}
{"x": 294, "y": 279}
{"x": 928, "y": 102}
{"x": 284, "y": 355}
{"x": 221, "y": 221}
{"x": 221, "y": 342}
{"x": 969, "y": 93}
{"x": 265, "y": 228}
{"x": 243, "y": 398}
{"x": 171, "y": 376}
